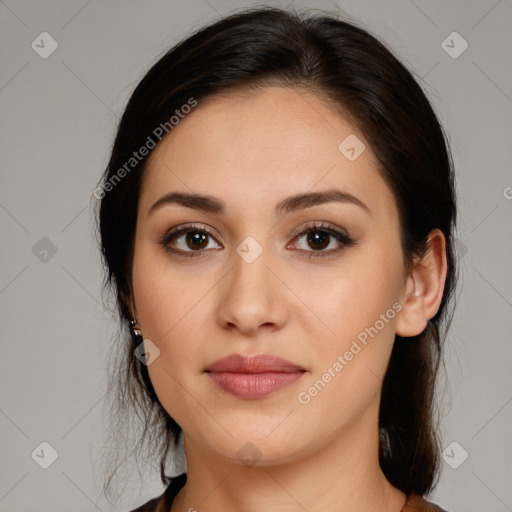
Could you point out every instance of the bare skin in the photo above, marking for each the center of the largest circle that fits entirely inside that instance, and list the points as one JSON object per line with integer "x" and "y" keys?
{"x": 252, "y": 150}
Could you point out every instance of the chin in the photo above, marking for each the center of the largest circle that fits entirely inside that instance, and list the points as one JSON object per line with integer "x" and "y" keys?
{"x": 247, "y": 449}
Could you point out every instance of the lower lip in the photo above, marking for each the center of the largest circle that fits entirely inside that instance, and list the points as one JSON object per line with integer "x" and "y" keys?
{"x": 253, "y": 385}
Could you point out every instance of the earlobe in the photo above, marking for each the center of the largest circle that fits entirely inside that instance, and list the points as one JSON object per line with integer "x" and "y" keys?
{"x": 424, "y": 288}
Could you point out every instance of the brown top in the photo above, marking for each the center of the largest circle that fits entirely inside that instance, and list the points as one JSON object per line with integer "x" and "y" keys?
{"x": 416, "y": 503}
{"x": 162, "y": 503}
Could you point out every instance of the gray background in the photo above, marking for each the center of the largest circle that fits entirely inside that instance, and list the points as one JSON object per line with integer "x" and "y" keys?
{"x": 58, "y": 120}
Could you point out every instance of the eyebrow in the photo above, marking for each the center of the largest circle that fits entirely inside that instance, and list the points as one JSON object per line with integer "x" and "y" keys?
{"x": 290, "y": 204}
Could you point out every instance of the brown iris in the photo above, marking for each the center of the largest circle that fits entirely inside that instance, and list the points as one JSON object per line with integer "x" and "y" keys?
{"x": 318, "y": 237}
{"x": 196, "y": 240}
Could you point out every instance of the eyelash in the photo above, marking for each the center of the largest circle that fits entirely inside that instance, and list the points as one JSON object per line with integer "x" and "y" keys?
{"x": 345, "y": 240}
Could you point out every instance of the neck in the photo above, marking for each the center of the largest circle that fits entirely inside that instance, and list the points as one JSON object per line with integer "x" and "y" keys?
{"x": 343, "y": 475}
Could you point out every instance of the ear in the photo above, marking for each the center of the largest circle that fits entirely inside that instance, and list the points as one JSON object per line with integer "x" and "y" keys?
{"x": 424, "y": 288}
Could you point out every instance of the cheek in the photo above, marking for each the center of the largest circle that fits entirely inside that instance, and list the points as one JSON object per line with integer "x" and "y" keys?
{"x": 171, "y": 313}
{"x": 169, "y": 306}
{"x": 349, "y": 365}
{"x": 358, "y": 305}
{"x": 352, "y": 296}
{"x": 172, "y": 304}
{"x": 157, "y": 287}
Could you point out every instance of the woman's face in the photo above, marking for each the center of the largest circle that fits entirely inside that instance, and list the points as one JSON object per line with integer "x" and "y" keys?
{"x": 254, "y": 285}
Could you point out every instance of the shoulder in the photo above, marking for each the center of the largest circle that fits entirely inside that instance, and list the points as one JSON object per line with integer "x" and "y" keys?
{"x": 163, "y": 502}
{"x": 417, "y": 503}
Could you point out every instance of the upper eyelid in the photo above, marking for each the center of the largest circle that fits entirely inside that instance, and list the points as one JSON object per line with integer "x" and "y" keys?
{"x": 318, "y": 225}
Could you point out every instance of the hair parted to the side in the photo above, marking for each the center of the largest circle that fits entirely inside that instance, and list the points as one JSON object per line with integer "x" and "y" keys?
{"x": 354, "y": 71}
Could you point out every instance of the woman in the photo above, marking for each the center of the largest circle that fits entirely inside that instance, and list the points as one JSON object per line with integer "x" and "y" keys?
{"x": 277, "y": 222}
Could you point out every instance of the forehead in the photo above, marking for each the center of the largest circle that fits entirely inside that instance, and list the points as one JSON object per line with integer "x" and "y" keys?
{"x": 254, "y": 147}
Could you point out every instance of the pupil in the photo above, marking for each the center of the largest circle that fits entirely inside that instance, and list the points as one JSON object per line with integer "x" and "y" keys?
{"x": 197, "y": 239}
{"x": 318, "y": 237}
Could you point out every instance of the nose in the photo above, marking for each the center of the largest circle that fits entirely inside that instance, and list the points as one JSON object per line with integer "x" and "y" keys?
{"x": 252, "y": 297}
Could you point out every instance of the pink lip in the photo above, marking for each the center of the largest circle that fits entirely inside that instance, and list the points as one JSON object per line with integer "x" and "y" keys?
{"x": 253, "y": 377}
{"x": 258, "y": 363}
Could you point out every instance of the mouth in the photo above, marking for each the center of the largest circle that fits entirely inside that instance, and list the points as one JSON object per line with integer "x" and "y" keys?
{"x": 253, "y": 377}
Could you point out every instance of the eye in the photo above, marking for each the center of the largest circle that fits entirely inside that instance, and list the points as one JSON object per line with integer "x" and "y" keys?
{"x": 321, "y": 236}
{"x": 192, "y": 240}
{"x": 193, "y": 237}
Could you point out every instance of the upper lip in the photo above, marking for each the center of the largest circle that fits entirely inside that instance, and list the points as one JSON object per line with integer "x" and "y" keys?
{"x": 258, "y": 363}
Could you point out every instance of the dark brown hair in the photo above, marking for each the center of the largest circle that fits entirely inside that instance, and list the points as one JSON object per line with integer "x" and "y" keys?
{"x": 344, "y": 64}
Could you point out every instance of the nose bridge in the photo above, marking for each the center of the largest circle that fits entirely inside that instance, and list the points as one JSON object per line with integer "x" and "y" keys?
{"x": 250, "y": 273}
{"x": 250, "y": 295}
